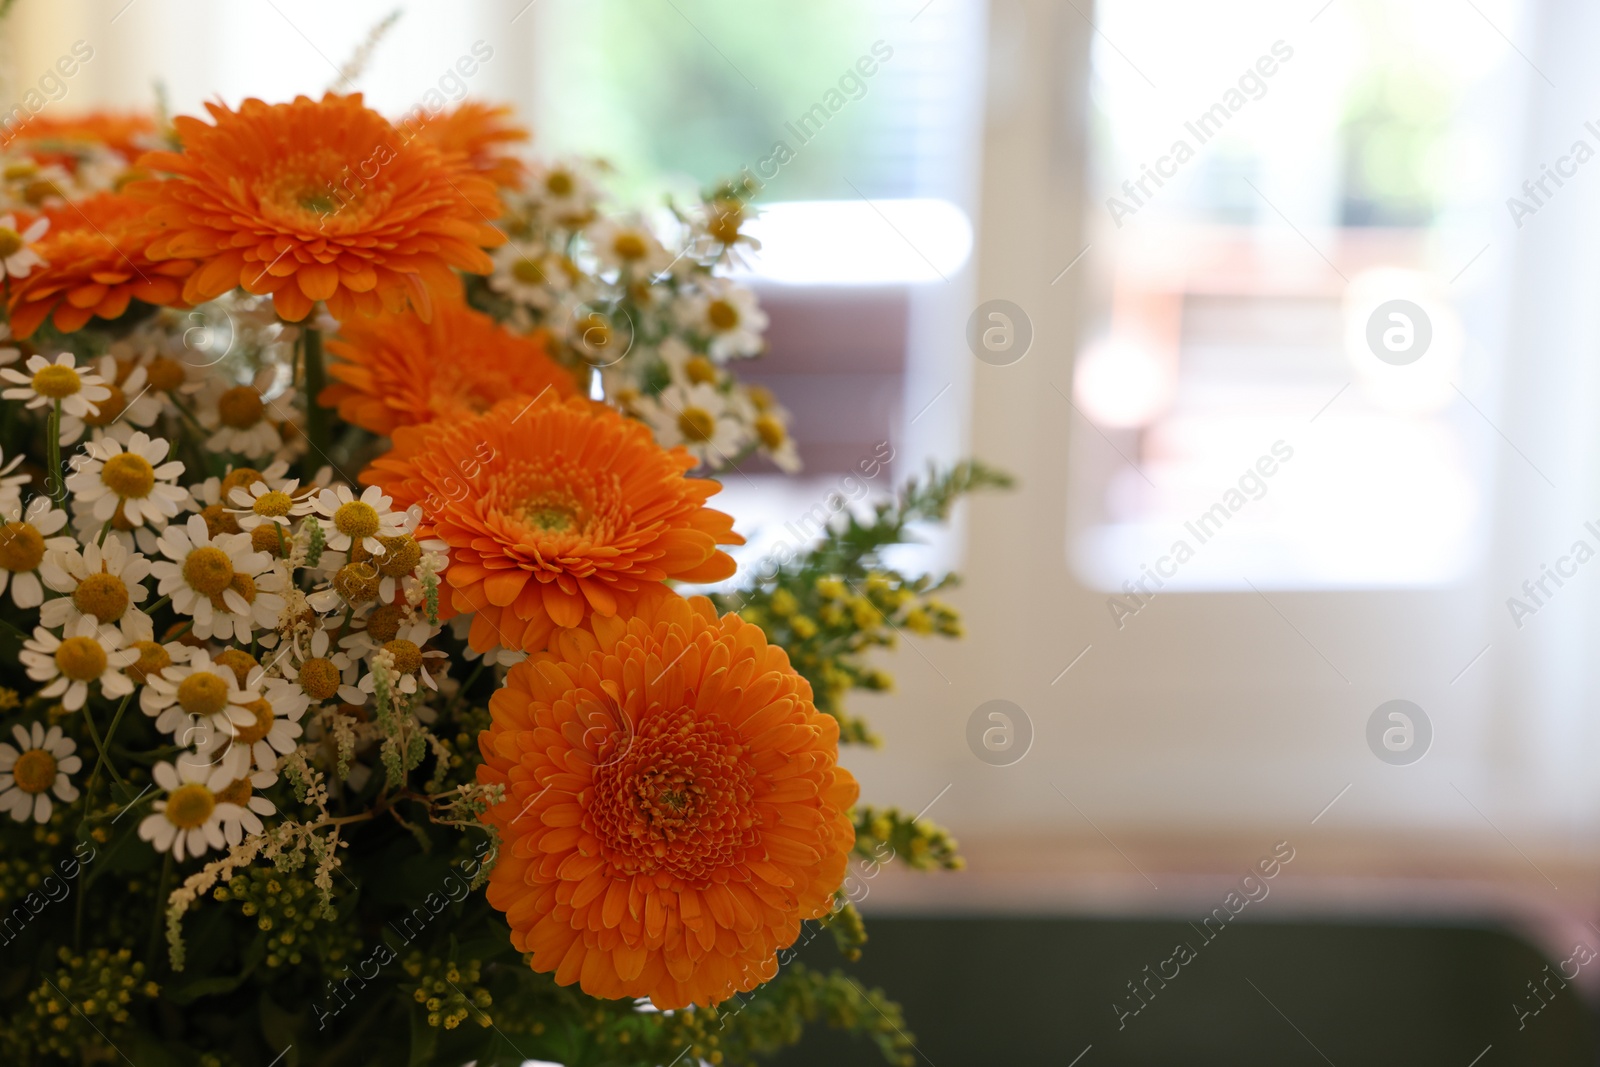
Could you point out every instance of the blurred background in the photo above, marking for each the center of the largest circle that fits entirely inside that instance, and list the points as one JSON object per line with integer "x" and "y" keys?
{"x": 1282, "y": 314}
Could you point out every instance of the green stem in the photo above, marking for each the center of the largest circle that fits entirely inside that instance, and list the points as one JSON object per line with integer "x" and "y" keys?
{"x": 94, "y": 735}
{"x": 57, "y": 485}
{"x": 316, "y": 415}
{"x": 111, "y": 734}
{"x": 161, "y": 911}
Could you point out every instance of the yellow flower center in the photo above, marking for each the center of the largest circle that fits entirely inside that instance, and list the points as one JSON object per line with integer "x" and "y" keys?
{"x": 129, "y": 475}
{"x": 189, "y": 806}
{"x": 771, "y": 432}
{"x": 21, "y": 547}
{"x": 249, "y": 735}
{"x": 236, "y": 792}
{"x": 34, "y": 771}
{"x": 267, "y": 538}
{"x": 319, "y": 678}
{"x": 240, "y": 407}
{"x": 239, "y": 478}
{"x": 594, "y": 331}
{"x": 153, "y": 658}
{"x": 242, "y": 584}
{"x": 273, "y": 504}
{"x": 407, "y": 656}
{"x": 202, "y": 693}
{"x": 527, "y": 272}
{"x": 401, "y": 556}
{"x": 725, "y": 222}
{"x": 105, "y": 596}
{"x": 56, "y": 381}
{"x": 722, "y": 315}
{"x": 558, "y": 183}
{"x": 10, "y": 242}
{"x": 696, "y": 424}
{"x": 237, "y": 660}
{"x": 81, "y": 659}
{"x": 18, "y": 171}
{"x": 164, "y": 374}
{"x": 761, "y": 397}
{"x": 629, "y": 245}
{"x": 208, "y": 570}
{"x": 356, "y": 582}
{"x": 356, "y": 520}
{"x": 699, "y": 370}
{"x": 38, "y": 192}
{"x": 384, "y": 623}
{"x": 110, "y": 409}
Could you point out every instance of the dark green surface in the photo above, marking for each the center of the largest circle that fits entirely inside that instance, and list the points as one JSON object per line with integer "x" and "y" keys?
{"x": 1004, "y": 992}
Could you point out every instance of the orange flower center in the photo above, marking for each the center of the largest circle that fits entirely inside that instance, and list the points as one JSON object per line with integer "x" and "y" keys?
{"x": 21, "y": 547}
{"x": 202, "y": 693}
{"x": 165, "y": 374}
{"x": 696, "y": 424}
{"x": 407, "y": 656}
{"x": 250, "y": 734}
{"x": 110, "y": 408}
{"x": 34, "y": 771}
{"x": 558, "y": 183}
{"x": 129, "y": 475}
{"x": 629, "y": 246}
{"x": 236, "y": 792}
{"x": 219, "y": 520}
{"x": 400, "y": 557}
{"x": 81, "y": 659}
{"x": 242, "y": 584}
{"x": 356, "y": 520}
{"x": 239, "y": 478}
{"x": 679, "y": 799}
{"x": 237, "y": 660}
{"x": 319, "y": 678}
{"x": 356, "y": 582}
{"x": 189, "y": 806}
{"x": 240, "y": 407}
{"x": 208, "y": 570}
{"x": 383, "y": 625}
{"x": 152, "y": 659}
{"x": 104, "y": 596}
{"x": 56, "y": 381}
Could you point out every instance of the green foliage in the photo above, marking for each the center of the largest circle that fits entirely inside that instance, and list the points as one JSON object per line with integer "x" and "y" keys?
{"x": 882, "y": 833}
{"x": 829, "y": 607}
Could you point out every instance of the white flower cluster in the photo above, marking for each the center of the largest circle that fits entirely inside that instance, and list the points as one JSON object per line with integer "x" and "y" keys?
{"x": 650, "y": 313}
{"x": 248, "y": 615}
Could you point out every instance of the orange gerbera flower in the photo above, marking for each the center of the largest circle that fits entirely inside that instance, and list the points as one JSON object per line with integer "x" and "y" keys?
{"x": 318, "y": 200}
{"x": 126, "y": 133}
{"x": 482, "y": 133}
{"x": 95, "y": 263}
{"x": 674, "y": 806}
{"x": 553, "y": 510}
{"x": 396, "y": 370}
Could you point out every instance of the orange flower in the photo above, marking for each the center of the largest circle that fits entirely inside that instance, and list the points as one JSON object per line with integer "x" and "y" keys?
{"x": 396, "y": 371}
{"x": 126, "y": 133}
{"x": 552, "y": 510}
{"x": 318, "y": 200}
{"x": 674, "y": 807}
{"x": 95, "y": 264}
{"x": 481, "y": 133}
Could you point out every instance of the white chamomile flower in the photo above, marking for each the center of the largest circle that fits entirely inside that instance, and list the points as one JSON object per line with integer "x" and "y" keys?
{"x": 227, "y": 586}
{"x": 24, "y": 540}
{"x": 262, "y": 502}
{"x": 325, "y": 674}
{"x": 17, "y": 258}
{"x": 529, "y": 274}
{"x": 410, "y": 658}
{"x": 238, "y": 415}
{"x": 39, "y": 764}
{"x": 190, "y": 694}
{"x": 686, "y": 366}
{"x": 697, "y": 418}
{"x": 629, "y": 245}
{"x": 770, "y": 421}
{"x": 563, "y": 193}
{"x": 137, "y": 484}
{"x": 133, "y": 403}
{"x": 78, "y": 392}
{"x": 727, "y": 315}
{"x": 88, "y": 653}
{"x": 11, "y": 486}
{"x": 101, "y": 581}
{"x": 360, "y": 520}
{"x": 267, "y": 727}
{"x": 189, "y": 819}
{"x": 241, "y": 794}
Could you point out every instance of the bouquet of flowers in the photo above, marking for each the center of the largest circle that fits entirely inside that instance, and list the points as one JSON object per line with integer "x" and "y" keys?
{"x": 351, "y": 712}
